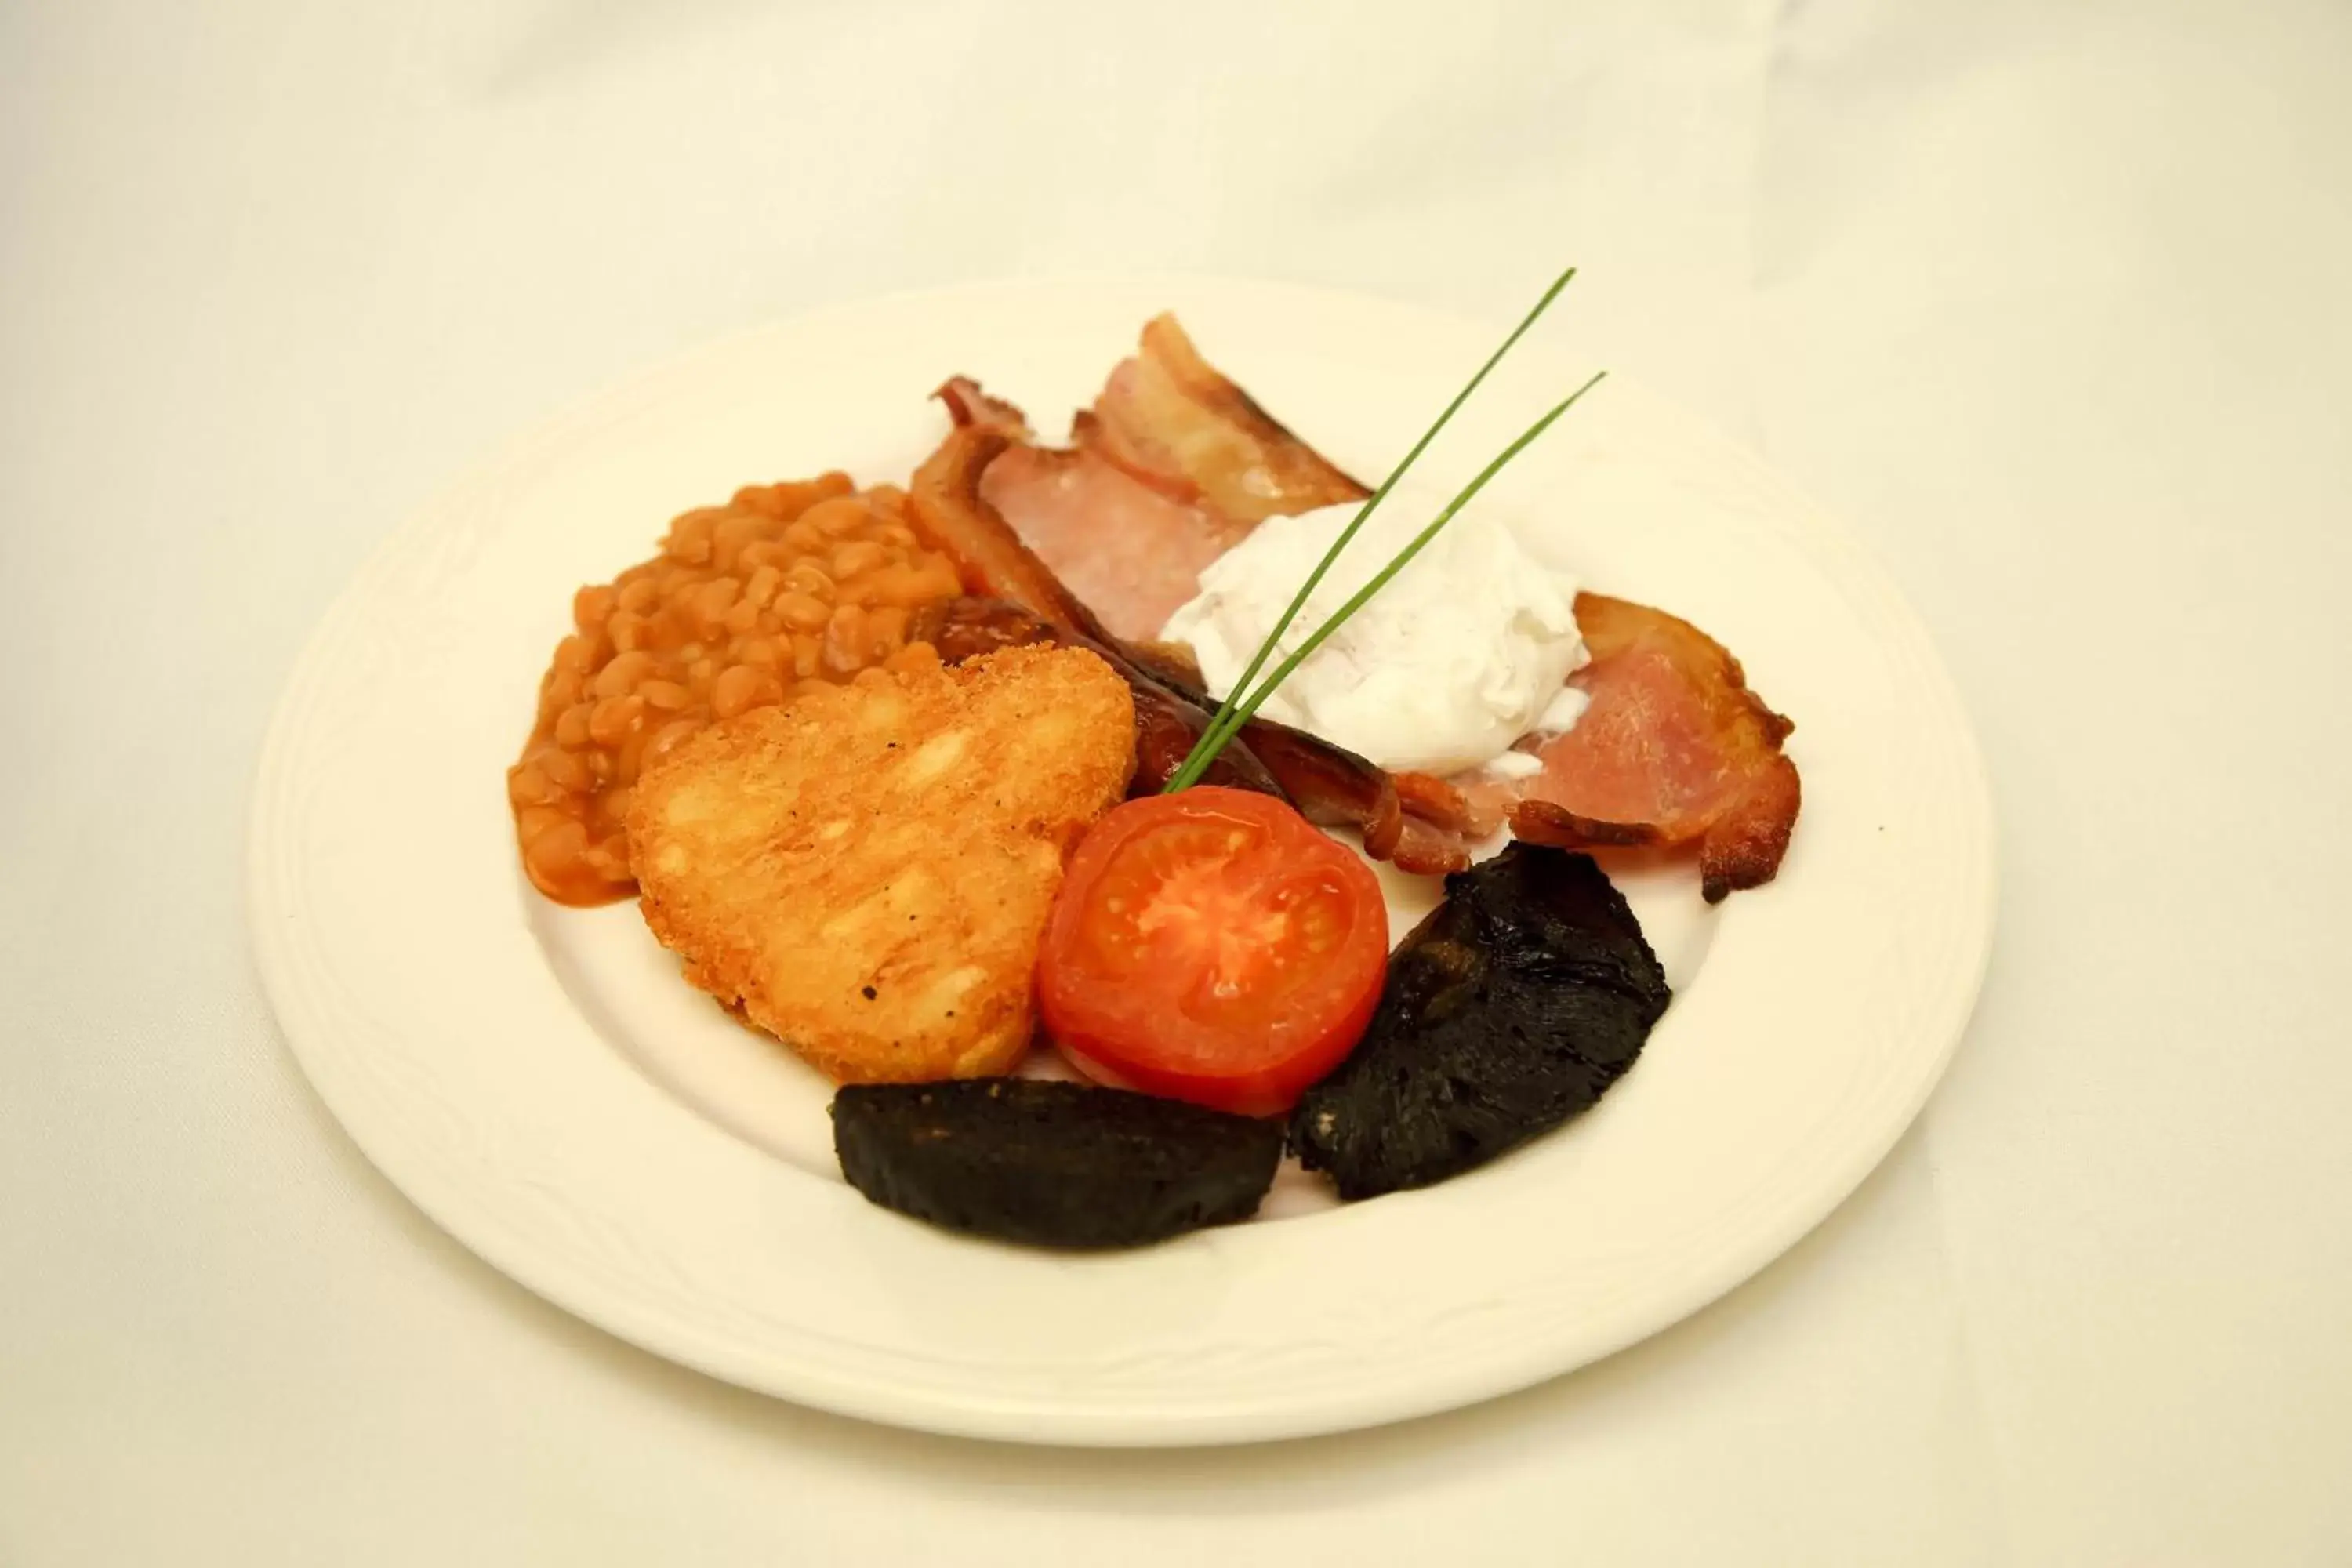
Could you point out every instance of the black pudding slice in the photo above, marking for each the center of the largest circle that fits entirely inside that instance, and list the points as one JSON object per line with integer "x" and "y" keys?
{"x": 1053, "y": 1165}
{"x": 1512, "y": 1007}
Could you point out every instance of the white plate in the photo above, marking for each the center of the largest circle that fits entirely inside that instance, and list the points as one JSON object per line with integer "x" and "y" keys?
{"x": 543, "y": 1085}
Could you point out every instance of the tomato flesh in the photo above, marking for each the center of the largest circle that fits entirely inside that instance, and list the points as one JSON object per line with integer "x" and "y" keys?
{"x": 1213, "y": 946}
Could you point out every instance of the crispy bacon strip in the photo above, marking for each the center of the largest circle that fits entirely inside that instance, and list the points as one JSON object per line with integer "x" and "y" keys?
{"x": 1330, "y": 786}
{"x": 945, "y": 503}
{"x": 1448, "y": 805}
{"x": 1173, "y": 467}
{"x": 1015, "y": 597}
{"x": 1127, "y": 551}
{"x": 1672, "y": 749}
{"x": 967, "y": 405}
{"x": 1170, "y": 419}
{"x": 1132, "y": 553}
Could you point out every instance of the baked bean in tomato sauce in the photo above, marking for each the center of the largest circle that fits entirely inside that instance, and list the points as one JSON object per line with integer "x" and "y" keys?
{"x": 784, "y": 587}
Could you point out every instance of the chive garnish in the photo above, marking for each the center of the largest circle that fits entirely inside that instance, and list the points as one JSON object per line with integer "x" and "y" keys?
{"x": 1213, "y": 741}
{"x": 1224, "y": 724}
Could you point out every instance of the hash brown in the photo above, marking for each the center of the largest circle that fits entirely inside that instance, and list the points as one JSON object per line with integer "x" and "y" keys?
{"x": 865, "y": 872}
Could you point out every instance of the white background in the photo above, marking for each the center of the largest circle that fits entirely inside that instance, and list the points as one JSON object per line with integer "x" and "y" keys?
{"x": 2048, "y": 301}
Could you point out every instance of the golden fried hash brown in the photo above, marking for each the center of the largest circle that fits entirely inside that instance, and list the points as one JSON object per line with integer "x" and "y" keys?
{"x": 866, "y": 871}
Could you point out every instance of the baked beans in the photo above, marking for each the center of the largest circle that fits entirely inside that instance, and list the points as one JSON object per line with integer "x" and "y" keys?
{"x": 785, "y": 587}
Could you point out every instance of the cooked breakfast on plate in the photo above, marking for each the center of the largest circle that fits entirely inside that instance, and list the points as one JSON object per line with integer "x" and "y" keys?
{"x": 1076, "y": 746}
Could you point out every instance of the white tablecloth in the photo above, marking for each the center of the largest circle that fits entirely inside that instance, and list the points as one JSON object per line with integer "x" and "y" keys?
{"x": 2049, "y": 300}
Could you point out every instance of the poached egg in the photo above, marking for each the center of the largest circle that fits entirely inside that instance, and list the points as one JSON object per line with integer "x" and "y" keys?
{"x": 1465, "y": 651}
